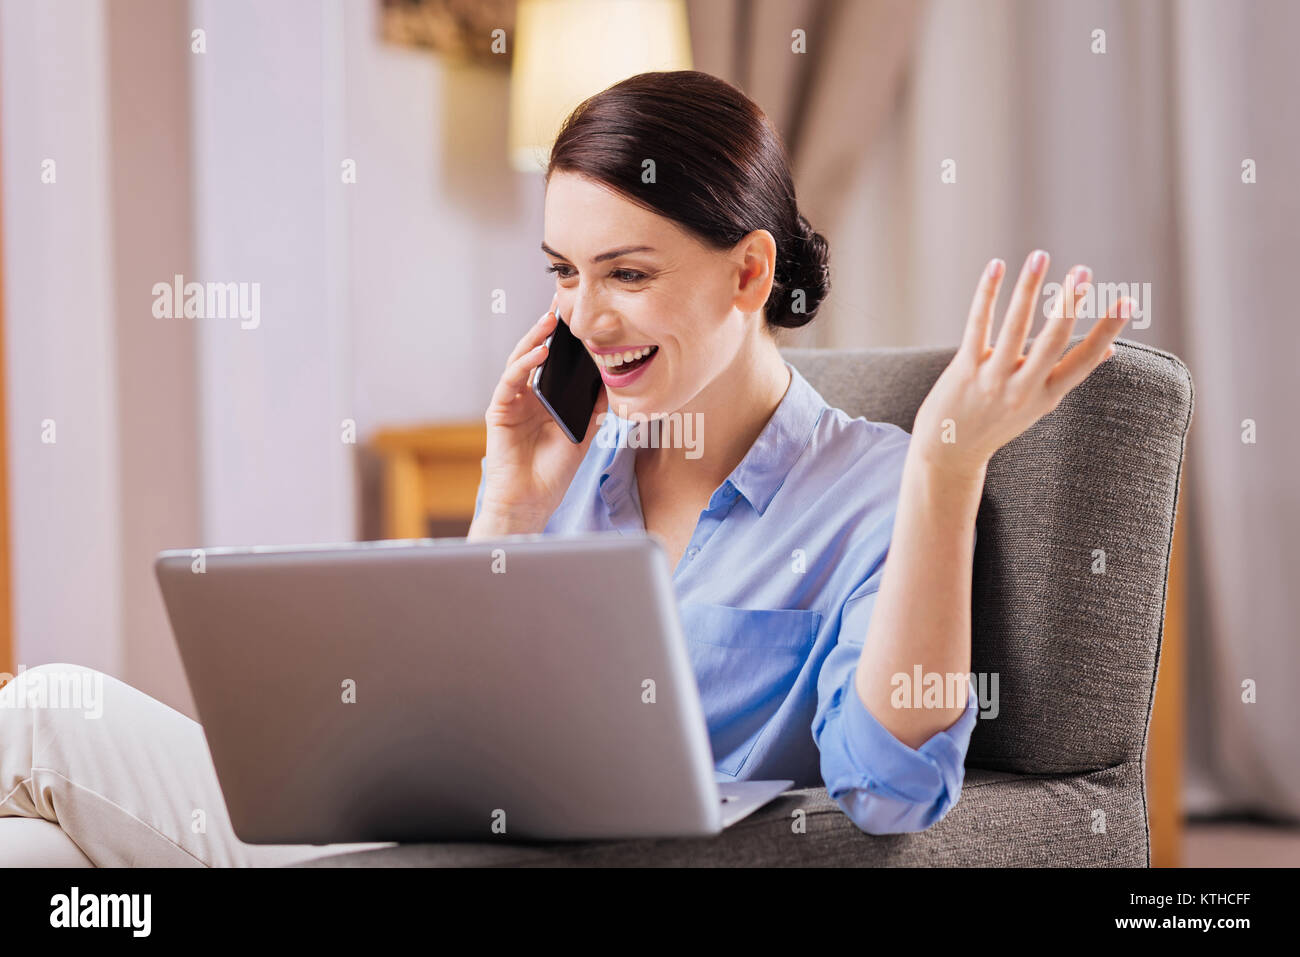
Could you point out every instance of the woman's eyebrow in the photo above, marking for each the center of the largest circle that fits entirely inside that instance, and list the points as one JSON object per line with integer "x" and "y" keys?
{"x": 612, "y": 254}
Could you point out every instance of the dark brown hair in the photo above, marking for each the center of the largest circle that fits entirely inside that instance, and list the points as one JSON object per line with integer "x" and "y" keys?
{"x": 720, "y": 170}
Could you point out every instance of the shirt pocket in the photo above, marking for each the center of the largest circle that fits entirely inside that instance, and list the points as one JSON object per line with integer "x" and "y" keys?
{"x": 746, "y": 661}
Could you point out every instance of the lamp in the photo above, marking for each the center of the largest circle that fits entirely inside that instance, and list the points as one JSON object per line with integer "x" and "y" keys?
{"x": 568, "y": 50}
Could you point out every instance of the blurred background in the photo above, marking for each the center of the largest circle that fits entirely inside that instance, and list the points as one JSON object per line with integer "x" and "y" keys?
{"x": 372, "y": 166}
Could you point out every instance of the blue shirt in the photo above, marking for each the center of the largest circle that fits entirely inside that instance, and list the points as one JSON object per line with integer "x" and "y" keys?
{"x": 774, "y": 593}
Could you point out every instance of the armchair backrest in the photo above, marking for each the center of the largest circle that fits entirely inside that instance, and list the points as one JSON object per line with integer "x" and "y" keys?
{"x": 1072, "y": 549}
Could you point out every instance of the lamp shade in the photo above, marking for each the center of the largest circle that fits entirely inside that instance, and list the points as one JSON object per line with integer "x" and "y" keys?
{"x": 568, "y": 50}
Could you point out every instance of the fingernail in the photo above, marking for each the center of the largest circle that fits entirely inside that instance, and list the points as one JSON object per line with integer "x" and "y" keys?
{"x": 1037, "y": 260}
{"x": 1079, "y": 280}
{"x": 994, "y": 268}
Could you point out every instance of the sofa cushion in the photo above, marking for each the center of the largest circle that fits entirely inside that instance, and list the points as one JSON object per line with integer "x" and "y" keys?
{"x": 1072, "y": 820}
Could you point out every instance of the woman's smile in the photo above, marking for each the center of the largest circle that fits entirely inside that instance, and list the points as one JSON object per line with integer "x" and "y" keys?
{"x": 621, "y": 369}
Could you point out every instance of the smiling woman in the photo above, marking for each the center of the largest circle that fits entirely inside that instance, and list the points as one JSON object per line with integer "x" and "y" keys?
{"x": 673, "y": 232}
{"x": 676, "y": 240}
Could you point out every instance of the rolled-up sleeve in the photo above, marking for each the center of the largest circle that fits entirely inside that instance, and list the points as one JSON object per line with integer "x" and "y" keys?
{"x": 883, "y": 785}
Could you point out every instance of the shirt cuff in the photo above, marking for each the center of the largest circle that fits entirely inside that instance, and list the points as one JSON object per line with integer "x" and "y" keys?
{"x": 919, "y": 775}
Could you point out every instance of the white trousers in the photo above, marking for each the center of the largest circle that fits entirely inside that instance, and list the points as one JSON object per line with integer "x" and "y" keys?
{"x": 132, "y": 786}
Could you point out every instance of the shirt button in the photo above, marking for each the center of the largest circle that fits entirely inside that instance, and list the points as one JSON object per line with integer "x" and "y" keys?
{"x": 692, "y": 553}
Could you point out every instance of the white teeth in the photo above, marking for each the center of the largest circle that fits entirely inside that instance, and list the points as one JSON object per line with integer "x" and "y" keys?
{"x": 622, "y": 358}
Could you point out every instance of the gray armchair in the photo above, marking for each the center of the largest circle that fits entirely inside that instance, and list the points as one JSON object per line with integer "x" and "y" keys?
{"x": 1056, "y": 778}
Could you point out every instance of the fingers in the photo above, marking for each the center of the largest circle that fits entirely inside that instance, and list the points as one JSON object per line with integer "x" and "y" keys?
{"x": 515, "y": 379}
{"x": 1051, "y": 342}
{"x": 538, "y": 333}
{"x": 1089, "y": 352}
{"x": 980, "y": 318}
{"x": 1020, "y": 314}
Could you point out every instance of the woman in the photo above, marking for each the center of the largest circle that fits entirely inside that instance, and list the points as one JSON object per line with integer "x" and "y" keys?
{"x": 676, "y": 242}
{"x": 778, "y": 527}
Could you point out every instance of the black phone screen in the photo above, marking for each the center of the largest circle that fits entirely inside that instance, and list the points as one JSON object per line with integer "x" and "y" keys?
{"x": 569, "y": 382}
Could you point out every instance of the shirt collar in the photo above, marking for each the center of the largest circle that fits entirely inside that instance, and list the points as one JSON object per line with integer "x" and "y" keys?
{"x": 763, "y": 469}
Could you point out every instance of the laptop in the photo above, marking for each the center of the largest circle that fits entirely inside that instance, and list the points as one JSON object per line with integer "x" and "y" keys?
{"x": 535, "y": 687}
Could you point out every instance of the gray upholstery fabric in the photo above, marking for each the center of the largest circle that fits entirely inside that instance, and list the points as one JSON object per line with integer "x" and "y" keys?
{"x": 1001, "y": 820}
{"x": 1075, "y": 652}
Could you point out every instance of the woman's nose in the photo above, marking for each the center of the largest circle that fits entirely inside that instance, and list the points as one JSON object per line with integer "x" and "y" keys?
{"x": 586, "y": 317}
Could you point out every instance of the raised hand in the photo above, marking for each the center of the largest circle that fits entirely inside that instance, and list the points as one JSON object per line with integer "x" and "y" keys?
{"x": 988, "y": 395}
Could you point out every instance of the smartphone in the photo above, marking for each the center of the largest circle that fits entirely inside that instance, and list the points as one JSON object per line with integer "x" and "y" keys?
{"x": 567, "y": 382}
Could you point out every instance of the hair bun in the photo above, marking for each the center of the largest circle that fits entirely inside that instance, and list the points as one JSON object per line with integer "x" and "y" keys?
{"x": 807, "y": 276}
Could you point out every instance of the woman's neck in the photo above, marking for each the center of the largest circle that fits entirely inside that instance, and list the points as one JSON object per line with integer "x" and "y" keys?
{"x": 726, "y": 418}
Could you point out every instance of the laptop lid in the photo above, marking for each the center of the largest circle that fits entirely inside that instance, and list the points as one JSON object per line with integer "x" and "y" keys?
{"x": 529, "y": 687}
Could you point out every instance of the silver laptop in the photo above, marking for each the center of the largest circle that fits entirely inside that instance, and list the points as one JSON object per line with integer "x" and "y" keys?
{"x": 532, "y": 687}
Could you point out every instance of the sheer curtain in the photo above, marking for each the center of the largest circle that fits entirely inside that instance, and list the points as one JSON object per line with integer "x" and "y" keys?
{"x": 1130, "y": 160}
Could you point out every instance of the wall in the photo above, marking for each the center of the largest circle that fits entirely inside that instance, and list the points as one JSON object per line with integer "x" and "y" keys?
{"x": 438, "y": 220}
{"x": 224, "y": 166}
{"x": 155, "y": 370}
{"x": 63, "y": 496}
{"x": 267, "y": 211}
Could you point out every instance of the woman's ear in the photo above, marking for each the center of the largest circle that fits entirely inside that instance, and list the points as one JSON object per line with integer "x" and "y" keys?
{"x": 755, "y": 258}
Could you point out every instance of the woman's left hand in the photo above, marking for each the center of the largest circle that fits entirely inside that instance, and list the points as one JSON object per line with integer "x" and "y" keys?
{"x": 989, "y": 395}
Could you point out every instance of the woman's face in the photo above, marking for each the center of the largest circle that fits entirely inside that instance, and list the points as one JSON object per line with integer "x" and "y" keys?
{"x": 695, "y": 304}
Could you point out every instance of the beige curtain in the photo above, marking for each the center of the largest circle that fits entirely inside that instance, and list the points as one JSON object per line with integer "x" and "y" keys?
{"x": 829, "y": 102}
{"x": 1129, "y": 160}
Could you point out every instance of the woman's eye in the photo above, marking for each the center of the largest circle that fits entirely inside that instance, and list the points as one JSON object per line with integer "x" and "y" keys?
{"x": 623, "y": 275}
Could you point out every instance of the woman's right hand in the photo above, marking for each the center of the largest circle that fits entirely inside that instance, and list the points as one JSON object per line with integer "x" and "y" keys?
{"x": 530, "y": 461}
